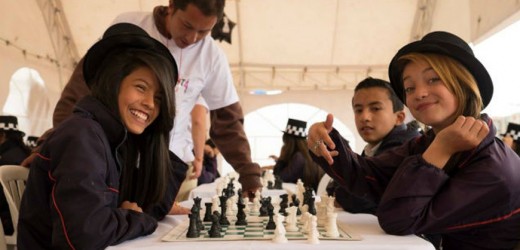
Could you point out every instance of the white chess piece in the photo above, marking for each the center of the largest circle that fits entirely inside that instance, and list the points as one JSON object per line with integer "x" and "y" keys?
{"x": 291, "y": 220}
{"x": 279, "y": 232}
{"x": 332, "y": 228}
{"x": 256, "y": 202}
{"x": 313, "y": 234}
{"x": 305, "y": 221}
{"x": 215, "y": 204}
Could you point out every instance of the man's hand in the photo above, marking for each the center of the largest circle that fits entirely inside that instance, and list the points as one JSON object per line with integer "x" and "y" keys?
{"x": 197, "y": 169}
{"x": 318, "y": 139}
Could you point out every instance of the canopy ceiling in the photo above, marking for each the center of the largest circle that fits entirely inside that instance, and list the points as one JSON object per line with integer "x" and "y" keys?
{"x": 287, "y": 44}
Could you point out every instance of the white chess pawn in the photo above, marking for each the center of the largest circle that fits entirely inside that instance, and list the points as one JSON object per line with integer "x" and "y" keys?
{"x": 313, "y": 233}
{"x": 305, "y": 221}
{"x": 332, "y": 228}
{"x": 279, "y": 232}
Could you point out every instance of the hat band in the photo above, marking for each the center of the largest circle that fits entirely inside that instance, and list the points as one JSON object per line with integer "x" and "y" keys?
{"x": 296, "y": 131}
{"x": 8, "y": 126}
{"x": 514, "y": 134}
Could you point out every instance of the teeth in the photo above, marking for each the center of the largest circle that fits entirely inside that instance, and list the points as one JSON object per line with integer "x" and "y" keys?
{"x": 139, "y": 115}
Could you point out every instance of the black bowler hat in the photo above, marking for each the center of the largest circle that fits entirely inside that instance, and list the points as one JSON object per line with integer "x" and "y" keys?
{"x": 443, "y": 43}
{"x": 9, "y": 123}
{"x": 296, "y": 128}
{"x": 121, "y": 36}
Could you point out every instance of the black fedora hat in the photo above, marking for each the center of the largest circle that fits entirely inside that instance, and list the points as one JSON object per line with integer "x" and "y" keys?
{"x": 9, "y": 123}
{"x": 121, "y": 36}
{"x": 443, "y": 43}
{"x": 296, "y": 128}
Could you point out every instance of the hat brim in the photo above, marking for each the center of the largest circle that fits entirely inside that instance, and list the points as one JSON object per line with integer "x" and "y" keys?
{"x": 98, "y": 52}
{"x": 474, "y": 66}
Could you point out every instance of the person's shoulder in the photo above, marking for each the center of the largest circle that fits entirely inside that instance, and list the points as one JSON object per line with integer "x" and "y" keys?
{"x": 139, "y": 18}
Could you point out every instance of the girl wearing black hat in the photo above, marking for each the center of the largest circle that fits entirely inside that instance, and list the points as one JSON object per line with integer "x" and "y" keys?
{"x": 109, "y": 161}
{"x": 457, "y": 184}
{"x": 295, "y": 161}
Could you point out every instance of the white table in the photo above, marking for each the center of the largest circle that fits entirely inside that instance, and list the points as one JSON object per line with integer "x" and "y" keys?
{"x": 364, "y": 225}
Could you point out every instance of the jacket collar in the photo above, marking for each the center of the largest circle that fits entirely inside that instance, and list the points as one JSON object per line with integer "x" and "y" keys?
{"x": 111, "y": 124}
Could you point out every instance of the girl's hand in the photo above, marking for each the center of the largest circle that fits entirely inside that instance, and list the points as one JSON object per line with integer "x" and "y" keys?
{"x": 464, "y": 134}
{"x": 318, "y": 139}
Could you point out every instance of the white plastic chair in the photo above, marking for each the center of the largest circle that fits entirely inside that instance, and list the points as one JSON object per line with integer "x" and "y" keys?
{"x": 3, "y": 245}
{"x": 13, "y": 178}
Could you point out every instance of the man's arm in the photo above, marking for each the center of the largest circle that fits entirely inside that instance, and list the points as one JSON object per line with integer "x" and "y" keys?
{"x": 75, "y": 89}
{"x": 227, "y": 131}
{"x": 198, "y": 134}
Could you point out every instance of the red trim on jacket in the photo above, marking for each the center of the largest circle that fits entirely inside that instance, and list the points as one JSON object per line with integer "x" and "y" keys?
{"x": 58, "y": 211}
{"x": 43, "y": 157}
{"x": 486, "y": 221}
{"x": 113, "y": 190}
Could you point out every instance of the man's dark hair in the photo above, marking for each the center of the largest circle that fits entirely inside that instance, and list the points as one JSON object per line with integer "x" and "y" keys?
{"x": 370, "y": 82}
{"x": 207, "y": 7}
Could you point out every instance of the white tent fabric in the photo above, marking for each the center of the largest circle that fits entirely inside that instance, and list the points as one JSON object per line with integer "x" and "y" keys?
{"x": 305, "y": 47}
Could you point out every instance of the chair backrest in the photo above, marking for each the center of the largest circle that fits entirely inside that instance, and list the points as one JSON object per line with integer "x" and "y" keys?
{"x": 13, "y": 179}
{"x": 3, "y": 244}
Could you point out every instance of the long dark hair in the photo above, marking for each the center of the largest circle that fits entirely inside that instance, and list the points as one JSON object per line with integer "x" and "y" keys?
{"x": 312, "y": 173}
{"x": 145, "y": 159}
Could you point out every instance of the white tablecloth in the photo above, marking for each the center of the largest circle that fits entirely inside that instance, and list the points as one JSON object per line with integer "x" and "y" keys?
{"x": 373, "y": 238}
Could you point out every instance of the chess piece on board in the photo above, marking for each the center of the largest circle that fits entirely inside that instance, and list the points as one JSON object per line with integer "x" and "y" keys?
{"x": 313, "y": 234}
{"x": 193, "y": 230}
{"x": 207, "y": 214}
{"x": 214, "y": 231}
{"x": 279, "y": 232}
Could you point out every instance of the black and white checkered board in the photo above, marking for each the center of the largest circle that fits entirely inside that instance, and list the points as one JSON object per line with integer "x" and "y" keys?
{"x": 255, "y": 230}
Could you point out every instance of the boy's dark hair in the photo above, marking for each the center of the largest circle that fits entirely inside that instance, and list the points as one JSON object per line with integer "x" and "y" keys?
{"x": 207, "y": 7}
{"x": 210, "y": 143}
{"x": 370, "y": 82}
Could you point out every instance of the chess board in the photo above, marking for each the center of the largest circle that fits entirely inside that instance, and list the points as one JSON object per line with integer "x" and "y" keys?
{"x": 255, "y": 230}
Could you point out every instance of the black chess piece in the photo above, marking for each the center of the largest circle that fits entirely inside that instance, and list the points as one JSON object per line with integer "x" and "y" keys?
{"x": 296, "y": 203}
{"x": 312, "y": 206}
{"x": 284, "y": 204}
{"x": 207, "y": 214}
{"x": 214, "y": 231}
{"x": 241, "y": 215}
{"x": 265, "y": 201}
{"x": 223, "y": 208}
{"x": 270, "y": 224}
{"x": 270, "y": 185}
{"x": 277, "y": 182}
{"x": 193, "y": 231}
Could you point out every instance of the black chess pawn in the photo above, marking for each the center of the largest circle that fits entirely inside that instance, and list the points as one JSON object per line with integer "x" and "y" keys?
{"x": 214, "y": 231}
{"x": 277, "y": 182}
{"x": 207, "y": 214}
{"x": 270, "y": 224}
{"x": 270, "y": 185}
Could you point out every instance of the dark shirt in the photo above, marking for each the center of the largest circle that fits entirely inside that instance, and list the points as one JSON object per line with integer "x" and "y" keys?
{"x": 354, "y": 204}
